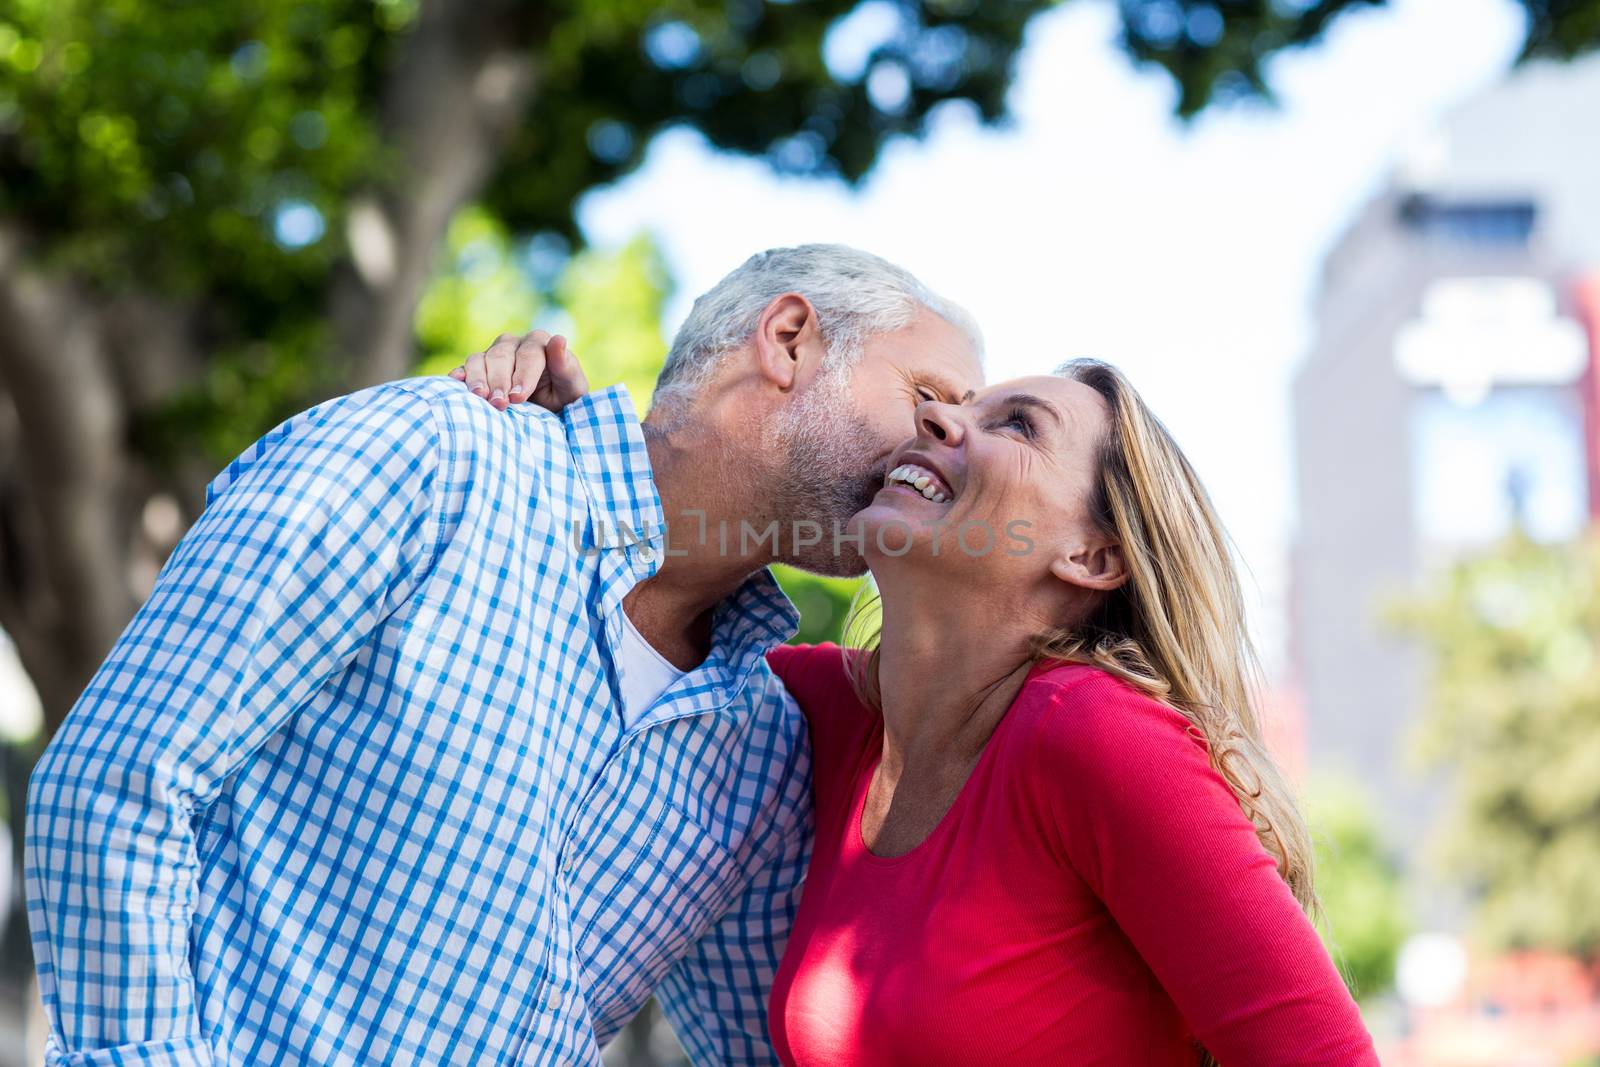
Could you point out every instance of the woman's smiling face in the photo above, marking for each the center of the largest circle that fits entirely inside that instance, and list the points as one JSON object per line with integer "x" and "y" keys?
{"x": 999, "y": 487}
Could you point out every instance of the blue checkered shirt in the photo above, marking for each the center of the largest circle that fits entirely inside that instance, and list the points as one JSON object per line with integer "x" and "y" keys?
{"x": 355, "y": 786}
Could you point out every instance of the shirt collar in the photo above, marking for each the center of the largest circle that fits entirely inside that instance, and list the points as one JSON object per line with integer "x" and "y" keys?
{"x": 608, "y": 449}
{"x": 749, "y": 624}
{"x": 745, "y": 627}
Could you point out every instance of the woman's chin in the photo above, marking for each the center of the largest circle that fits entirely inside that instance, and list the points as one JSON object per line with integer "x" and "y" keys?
{"x": 892, "y": 528}
{"x": 893, "y": 510}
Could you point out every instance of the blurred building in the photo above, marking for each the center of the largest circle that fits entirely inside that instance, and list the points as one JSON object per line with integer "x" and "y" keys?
{"x": 1451, "y": 392}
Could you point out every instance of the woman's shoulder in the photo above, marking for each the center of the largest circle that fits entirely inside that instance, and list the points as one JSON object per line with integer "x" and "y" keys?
{"x": 819, "y": 679}
{"x": 1112, "y": 762}
{"x": 811, "y": 666}
{"x": 1087, "y": 718}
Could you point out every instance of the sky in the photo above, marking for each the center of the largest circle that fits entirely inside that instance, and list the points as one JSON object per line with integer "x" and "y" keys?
{"x": 1095, "y": 224}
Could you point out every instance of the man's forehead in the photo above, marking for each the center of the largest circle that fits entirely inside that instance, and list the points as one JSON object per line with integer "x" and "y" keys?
{"x": 934, "y": 352}
{"x": 953, "y": 358}
{"x": 958, "y": 376}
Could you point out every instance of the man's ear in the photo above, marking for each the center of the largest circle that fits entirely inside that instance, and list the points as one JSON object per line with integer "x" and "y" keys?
{"x": 788, "y": 342}
{"x": 1096, "y": 565}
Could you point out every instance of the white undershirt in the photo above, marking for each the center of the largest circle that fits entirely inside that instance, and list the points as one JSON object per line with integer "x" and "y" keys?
{"x": 646, "y": 673}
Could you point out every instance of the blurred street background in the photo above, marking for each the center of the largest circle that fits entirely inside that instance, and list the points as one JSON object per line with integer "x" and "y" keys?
{"x": 1349, "y": 250}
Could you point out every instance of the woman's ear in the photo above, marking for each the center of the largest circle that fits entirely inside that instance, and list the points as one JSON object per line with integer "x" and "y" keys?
{"x": 1097, "y": 565}
{"x": 788, "y": 341}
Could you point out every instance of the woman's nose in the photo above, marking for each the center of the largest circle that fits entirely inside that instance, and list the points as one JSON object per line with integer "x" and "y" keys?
{"x": 939, "y": 422}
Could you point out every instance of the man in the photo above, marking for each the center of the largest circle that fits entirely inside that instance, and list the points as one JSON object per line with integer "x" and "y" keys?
{"x": 425, "y": 749}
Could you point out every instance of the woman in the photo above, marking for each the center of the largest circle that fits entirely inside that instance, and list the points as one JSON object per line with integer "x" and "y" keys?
{"x": 1047, "y": 829}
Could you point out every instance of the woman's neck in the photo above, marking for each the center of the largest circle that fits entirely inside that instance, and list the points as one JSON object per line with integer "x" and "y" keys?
{"x": 948, "y": 668}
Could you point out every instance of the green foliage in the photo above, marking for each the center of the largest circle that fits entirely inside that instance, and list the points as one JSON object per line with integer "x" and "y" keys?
{"x": 1218, "y": 49}
{"x": 1363, "y": 916}
{"x": 153, "y": 142}
{"x": 1514, "y": 714}
{"x": 612, "y": 298}
{"x": 824, "y": 603}
{"x": 615, "y": 301}
{"x": 480, "y": 293}
{"x": 210, "y": 156}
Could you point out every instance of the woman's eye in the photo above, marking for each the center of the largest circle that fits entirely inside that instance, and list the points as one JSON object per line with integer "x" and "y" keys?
{"x": 1019, "y": 421}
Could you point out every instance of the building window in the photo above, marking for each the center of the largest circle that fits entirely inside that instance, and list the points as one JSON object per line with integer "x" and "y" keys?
{"x": 1499, "y": 223}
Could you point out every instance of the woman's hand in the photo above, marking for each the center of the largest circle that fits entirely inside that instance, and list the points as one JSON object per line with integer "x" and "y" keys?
{"x": 535, "y": 367}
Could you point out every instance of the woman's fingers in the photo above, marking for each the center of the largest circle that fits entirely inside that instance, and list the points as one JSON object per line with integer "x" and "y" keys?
{"x": 536, "y": 367}
{"x": 475, "y": 376}
{"x": 530, "y": 365}
{"x": 566, "y": 378}
{"x": 499, "y": 363}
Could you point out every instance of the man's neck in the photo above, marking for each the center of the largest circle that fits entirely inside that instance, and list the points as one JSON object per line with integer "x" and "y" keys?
{"x": 704, "y": 501}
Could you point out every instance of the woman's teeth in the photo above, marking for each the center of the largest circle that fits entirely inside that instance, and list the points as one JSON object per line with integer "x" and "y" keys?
{"x": 914, "y": 477}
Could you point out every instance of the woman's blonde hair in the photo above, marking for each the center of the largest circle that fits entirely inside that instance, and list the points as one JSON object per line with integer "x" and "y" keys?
{"x": 1176, "y": 628}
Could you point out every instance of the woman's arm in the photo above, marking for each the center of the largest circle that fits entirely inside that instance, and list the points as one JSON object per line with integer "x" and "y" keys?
{"x": 1159, "y": 836}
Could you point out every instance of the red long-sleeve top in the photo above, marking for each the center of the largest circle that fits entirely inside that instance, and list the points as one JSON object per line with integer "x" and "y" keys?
{"x": 1095, "y": 895}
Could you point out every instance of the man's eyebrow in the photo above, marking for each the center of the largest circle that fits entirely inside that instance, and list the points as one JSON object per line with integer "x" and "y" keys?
{"x": 966, "y": 397}
{"x": 1028, "y": 400}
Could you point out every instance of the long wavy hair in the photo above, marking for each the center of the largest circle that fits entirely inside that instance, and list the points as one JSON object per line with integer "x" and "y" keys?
{"x": 1176, "y": 628}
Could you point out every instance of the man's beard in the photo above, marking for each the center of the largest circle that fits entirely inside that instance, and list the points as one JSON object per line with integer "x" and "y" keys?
{"x": 825, "y": 443}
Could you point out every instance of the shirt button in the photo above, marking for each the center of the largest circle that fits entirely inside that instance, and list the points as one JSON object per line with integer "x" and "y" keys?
{"x": 556, "y": 1000}
{"x": 647, "y": 554}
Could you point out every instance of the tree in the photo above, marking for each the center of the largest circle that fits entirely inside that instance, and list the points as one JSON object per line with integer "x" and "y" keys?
{"x": 212, "y": 215}
{"x": 1514, "y": 716}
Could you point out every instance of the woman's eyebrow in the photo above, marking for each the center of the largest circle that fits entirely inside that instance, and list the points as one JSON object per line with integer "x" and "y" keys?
{"x": 1028, "y": 400}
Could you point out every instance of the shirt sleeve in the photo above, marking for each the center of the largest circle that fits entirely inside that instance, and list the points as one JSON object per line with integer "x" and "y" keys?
{"x": 308, "y": 541}
{"x": 1154, "y": 830}
{"x": 716, "y": 997}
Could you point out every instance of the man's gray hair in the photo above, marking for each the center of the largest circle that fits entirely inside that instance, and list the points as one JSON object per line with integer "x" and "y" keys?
{"x": 856, "y": 295}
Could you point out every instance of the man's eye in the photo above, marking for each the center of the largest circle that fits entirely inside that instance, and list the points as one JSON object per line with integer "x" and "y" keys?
{"x": 924, "y": 394}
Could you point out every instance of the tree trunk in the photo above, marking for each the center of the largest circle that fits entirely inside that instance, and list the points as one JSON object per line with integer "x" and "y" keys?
{"x": 63, "y": 532}
{"x": 464, "y": 77}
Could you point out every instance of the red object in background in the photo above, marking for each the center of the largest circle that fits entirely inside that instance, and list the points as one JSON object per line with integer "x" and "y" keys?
{"x": 1524, "y": 1009}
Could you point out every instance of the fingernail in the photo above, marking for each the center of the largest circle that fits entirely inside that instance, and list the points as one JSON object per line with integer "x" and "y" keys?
{"x": 516, "y": 394}
{"x": 480, "y": 387}
{"x": 498, "y": 394}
